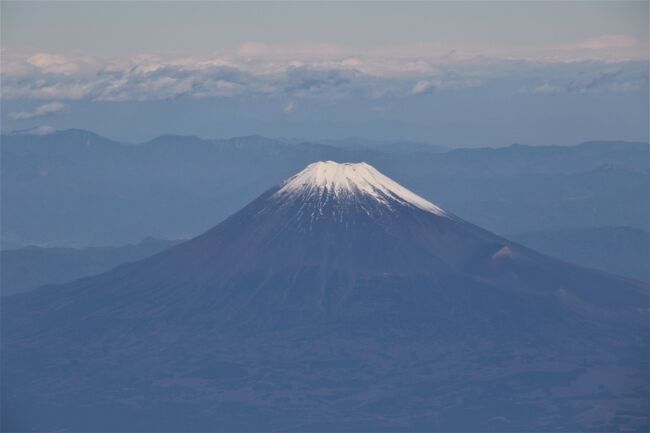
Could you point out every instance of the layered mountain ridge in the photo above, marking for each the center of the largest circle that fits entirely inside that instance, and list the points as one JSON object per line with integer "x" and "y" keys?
{"x": 127, "y": 187}
{"x": 337, "y": 300}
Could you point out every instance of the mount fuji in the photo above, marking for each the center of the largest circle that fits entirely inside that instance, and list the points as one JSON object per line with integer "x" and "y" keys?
{"x": 336, "y": 301}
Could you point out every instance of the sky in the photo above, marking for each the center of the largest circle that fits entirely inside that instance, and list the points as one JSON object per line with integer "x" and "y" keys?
{"x": 457, "y": 74}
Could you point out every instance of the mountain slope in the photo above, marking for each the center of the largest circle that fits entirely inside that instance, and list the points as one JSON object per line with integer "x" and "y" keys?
{"x": 338, "y": 300}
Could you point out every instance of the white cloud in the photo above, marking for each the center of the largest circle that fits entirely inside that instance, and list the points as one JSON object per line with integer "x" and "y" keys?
{"x": 608, "y": 41}
{"x": 40, "y": 111}
{"x": 546, "y": 88}
{"x": 603, "y": 48}
{"x": 445, "y": 80}
{"x": 303, "y": 70}
{"x": 422, "y": 86}
{"x": 252, "y": 49}
{"x": 591, "y": 78}
{"x": 54, "y": 63}
{"x": 43, "y": 130}
{"x": 37, "y": 130}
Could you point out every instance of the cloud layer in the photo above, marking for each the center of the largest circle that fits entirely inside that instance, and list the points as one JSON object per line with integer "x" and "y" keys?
{"x": 605, "y": 63}
{"x": 40, "y": 111}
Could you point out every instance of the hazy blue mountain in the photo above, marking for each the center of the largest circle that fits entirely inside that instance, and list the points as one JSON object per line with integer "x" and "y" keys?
{"x": 618, "y": 250}
{"x": 74, "y": 188}
{"x": 387, "y": 146}
{"x": 30, "y": 267}
{"x": 605, "y": 196}
{"x": 337, "y": 301}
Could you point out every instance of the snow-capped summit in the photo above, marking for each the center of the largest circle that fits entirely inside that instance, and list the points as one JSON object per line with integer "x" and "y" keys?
{"x": 347, "y": 180}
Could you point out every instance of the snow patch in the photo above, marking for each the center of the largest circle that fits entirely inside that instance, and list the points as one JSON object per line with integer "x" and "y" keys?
{"x": 349, "y": 179}
{"x": 504, "y": 252}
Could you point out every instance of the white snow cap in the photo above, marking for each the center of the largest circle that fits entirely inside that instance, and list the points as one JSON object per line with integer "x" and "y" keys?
{"x": 348, "y": 179}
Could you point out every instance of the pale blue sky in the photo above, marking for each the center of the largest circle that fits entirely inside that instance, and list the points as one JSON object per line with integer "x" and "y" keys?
{"x": 125, "y": 28}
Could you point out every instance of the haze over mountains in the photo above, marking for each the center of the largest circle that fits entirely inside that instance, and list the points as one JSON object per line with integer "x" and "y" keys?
{"x": 74, "y": 188}
{"x": 617, "y": 250}
{"x": 27, "y": 268}
{"x": 337, "y": 300}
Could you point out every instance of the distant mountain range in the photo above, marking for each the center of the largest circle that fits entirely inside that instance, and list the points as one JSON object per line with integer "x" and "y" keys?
{"x": 75, "y": 188}
{"x": 386, "y": 146}
{"x": 28, "y": 268}
{"x": 338, "y": 300}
